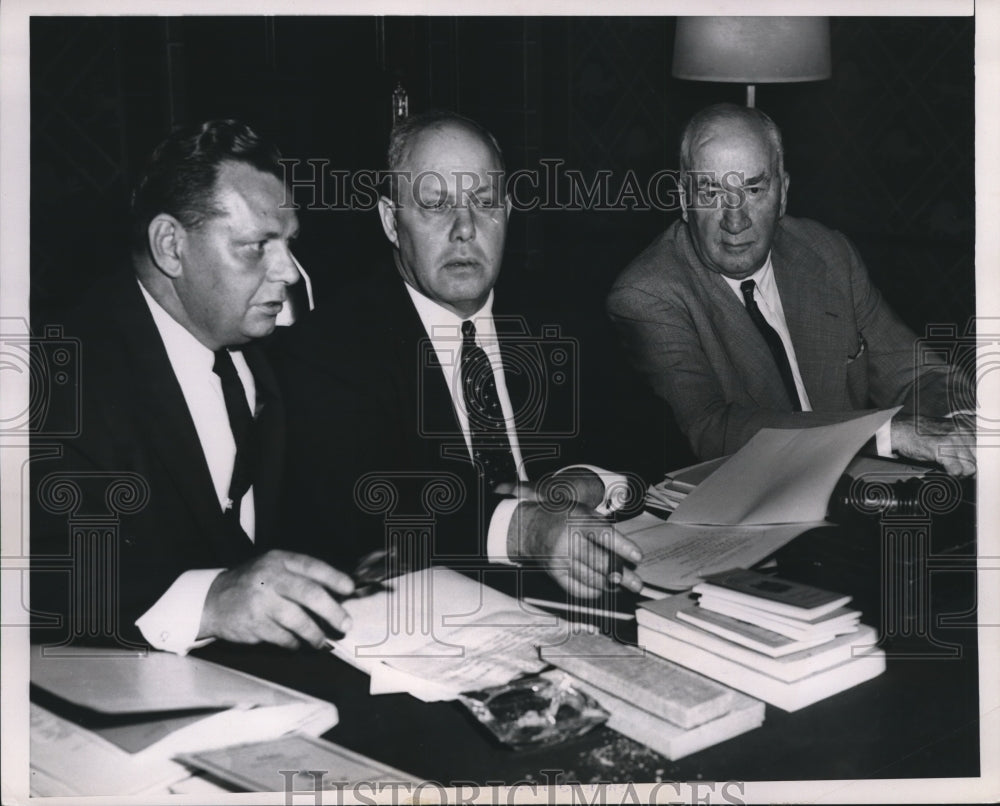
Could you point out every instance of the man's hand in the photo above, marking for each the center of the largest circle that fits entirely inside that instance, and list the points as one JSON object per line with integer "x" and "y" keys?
{"x": 949, "y": 442}
{"x": 280, "y": 598}
{"x": 581, "y": 550}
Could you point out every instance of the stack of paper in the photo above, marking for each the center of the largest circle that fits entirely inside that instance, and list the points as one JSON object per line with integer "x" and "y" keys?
{"x": 435, "y": 633}
{"x": 669, "y": 493}
{"x": 666, "y": 707}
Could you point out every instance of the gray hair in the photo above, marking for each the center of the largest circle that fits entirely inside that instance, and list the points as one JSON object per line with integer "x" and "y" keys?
{"x": 717, "y": 113}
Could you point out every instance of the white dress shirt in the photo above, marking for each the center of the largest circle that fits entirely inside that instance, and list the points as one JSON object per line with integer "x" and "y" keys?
{"x": 769, "y": 301}
{"x": 444, "y": 328}
{"x": 172, "y": 623}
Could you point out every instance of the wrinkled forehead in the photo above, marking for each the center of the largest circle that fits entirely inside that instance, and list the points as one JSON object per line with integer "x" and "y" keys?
{"x": 246, "y": 194}
{"x": 450, "y": 148}
{"x": 728, "y": 146}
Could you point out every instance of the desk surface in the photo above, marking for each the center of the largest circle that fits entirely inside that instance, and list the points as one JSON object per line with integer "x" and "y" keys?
{"x": 917, "y": 720}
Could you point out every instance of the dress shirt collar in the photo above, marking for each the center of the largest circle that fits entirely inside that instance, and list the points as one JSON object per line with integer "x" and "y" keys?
{"x": 440, "y": 323}
{"x": 183, "y": 349}
{"x": 763, "y": 278}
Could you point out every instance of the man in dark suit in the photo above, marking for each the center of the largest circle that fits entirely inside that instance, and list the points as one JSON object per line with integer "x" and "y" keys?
{"x": 409, "y": 391}
{"x": 743, "y": 318}
{"x": 179, "y": 409}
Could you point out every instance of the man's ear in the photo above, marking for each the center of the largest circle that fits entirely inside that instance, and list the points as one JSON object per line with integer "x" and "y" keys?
{"x": 784, "y": 195}
{"x": 387, "y": 212}
{"x": 166, "y": 238}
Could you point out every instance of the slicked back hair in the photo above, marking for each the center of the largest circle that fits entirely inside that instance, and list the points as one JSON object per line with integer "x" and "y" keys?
{"x": 179, "y": 178}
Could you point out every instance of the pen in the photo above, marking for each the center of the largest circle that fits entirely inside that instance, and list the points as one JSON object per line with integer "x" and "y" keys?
{"x": 581, "y": 609}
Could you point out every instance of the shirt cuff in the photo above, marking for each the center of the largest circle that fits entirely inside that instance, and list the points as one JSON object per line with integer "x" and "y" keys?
{"x": 172, "y": 623}
{"x": 615, "y": 487}
{"x": 496, "y": 535}
{"x": 883, "y": 440}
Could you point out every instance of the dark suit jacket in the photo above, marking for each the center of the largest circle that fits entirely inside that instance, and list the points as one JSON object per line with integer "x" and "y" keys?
{"x": 689, "y": 335}
{"x": 134, "y": 426}
{"x": 367, "y": 400}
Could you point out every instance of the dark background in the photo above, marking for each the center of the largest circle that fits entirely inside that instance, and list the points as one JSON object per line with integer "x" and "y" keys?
{"x": 883, "y": 151}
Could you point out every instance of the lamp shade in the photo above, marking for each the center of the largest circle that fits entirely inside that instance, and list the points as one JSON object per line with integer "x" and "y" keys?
{"x": 752, "y": 50}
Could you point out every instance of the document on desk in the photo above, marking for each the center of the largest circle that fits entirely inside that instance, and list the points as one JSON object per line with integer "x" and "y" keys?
{"x": 319, "y": 766}
{"x": 436, "y": 633}
{"x": 773, "y": 489}
{"x": 120, "y": 717}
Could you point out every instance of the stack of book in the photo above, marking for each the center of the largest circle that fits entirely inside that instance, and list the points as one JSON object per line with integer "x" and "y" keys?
{"x": 669, "y": 493}
{"x": 670, "y": 709}
{"x": 788, "y": 644}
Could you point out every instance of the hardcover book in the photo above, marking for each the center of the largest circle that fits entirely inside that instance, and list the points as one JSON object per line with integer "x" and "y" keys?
{"x": 771, "y": 593}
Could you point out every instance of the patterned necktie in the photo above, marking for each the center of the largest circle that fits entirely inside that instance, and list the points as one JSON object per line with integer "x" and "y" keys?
{"x": 773, "y": 342}
{"x": 242, "y": 425}
{"x": 487, "y": 426}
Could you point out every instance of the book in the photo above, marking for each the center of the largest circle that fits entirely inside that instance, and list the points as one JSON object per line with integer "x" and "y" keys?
{"x": 789, "y": 696}
{"x": 668, "y": 739}
{"x": 770, "y": 593}
{"x": 256, "y": 766}
{"x": 655, "y": 685}
{"x": 749, "y": 635}
{"x": 838, "y": 622}
{"x": 661, "y": 616}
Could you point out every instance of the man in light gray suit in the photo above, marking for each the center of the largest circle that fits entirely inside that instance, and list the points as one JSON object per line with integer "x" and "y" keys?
{"x": 743, "y": 318}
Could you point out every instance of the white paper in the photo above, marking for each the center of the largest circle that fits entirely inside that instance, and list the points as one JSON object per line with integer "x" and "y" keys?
{"x": 782, "y": 475}
{"x": 437, "y": 633}
{"x": 69, "y": 760}
{"x": 677, "y": 555}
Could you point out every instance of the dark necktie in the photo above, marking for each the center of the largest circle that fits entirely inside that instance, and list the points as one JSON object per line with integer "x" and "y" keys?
{"x": 487, "y": 427}
{"x": 773, "y": 342}
{"x": 241, "y": 424}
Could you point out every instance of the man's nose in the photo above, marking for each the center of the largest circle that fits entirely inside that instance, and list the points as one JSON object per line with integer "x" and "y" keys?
{"x": 735, "y": 219}
{"x": 463, "y": 227}
{"x": 284, "y": 268}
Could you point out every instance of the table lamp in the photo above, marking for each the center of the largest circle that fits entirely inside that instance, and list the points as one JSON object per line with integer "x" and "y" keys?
{"x": 752, "y": 50}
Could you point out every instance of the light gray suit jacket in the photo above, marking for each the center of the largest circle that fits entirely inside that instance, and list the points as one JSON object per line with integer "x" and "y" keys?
{"x": 692, "y": 339}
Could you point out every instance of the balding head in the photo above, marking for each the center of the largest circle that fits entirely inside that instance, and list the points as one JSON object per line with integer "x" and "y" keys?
{"x": 748, "y": 121}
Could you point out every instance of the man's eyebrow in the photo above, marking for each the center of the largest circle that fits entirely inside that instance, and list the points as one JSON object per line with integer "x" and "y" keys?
{"x": 756, "y": 180}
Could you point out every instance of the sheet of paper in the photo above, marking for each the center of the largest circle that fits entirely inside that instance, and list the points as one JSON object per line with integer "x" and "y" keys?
{"x": 438, "y": 632}
{"x": 248, "y": 725}
{"x": 69, "y": 760}
{"x": 677, "y": 555}
{"x": 110, "y": 681}
{"x": 782, "y": 475}
{"x": 256, "y": 767}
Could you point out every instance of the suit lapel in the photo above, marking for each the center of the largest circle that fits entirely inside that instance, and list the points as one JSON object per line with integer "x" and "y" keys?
{"x": 419, "y": 373}
{"x": 751, "y": 357}
{"x": 169, "y": 427}
{"x": 809, "y": 303}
